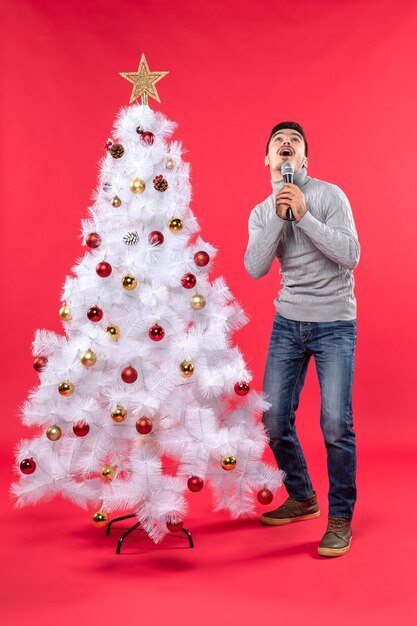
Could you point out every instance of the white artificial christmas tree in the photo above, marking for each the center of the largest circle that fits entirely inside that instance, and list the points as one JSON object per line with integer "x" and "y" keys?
{"x": 144, "y": 397}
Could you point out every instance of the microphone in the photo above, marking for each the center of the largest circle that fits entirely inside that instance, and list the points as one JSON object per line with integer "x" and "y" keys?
{"x": 287, "y": 171}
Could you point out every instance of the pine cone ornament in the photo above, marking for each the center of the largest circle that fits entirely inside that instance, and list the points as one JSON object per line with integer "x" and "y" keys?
{"x": 117, "y": 150}
{"x": 131, "y": 239}
{"x": 160, "y": 183}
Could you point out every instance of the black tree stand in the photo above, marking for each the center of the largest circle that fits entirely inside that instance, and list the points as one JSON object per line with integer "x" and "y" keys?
{"x": 136, "y": 526}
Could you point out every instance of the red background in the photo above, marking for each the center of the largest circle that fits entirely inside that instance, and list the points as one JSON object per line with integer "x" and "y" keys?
{"x": 345, "y": 70}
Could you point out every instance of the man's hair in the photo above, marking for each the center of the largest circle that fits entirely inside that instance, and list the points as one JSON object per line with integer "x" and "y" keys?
{"x": 291, "y": 126}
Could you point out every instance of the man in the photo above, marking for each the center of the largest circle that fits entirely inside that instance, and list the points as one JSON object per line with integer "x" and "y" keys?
{"x": 316, "y": 316}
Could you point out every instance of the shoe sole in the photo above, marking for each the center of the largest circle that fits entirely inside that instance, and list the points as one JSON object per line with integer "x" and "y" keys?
{"x": 270, "y": 521}
{"x": 334, "y": 551}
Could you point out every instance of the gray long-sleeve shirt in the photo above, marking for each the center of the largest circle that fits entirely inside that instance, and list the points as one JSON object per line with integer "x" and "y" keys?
{"x": 316, "y": 254}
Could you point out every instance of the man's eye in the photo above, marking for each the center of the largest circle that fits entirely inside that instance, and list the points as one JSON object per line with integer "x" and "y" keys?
{"x": 296, "y": 139}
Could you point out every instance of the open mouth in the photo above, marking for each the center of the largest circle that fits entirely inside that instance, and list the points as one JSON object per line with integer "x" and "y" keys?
{"x": 286, "y": 152}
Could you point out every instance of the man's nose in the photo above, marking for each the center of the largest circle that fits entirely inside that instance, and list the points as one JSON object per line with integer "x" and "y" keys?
{"x": 287, "y": 140}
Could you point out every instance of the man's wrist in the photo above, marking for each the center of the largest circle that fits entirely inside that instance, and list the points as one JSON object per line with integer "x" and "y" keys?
{"x": 300, "y": 218}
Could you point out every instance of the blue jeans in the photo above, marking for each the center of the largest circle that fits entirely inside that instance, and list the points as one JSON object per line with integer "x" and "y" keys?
{"x": 333, "y": 346}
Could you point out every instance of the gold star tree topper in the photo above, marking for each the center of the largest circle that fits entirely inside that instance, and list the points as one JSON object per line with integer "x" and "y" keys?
{"x": 143, "y": 82}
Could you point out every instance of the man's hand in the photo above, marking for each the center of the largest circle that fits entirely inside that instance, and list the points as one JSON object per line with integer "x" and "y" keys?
{"x": 291, "y": 196}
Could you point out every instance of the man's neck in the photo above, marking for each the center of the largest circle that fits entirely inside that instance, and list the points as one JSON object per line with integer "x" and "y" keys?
{"x": 300, "y": 178}
{"x": 276, "y": 174}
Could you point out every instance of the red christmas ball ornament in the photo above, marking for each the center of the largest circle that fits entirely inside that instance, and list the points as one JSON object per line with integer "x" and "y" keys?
{"x": 104, "y": 269}
{"x": 39, "y": 363}
{"x": 265, "y": 496}
{"x": 188, "y": 281}
{"x": 201, "y": 258}
{"x": 155, "y": 238}
{"x": 81, "y": 429}
{"x": 241, "y": 389}
{"x": 93, "y": 240}
{"x": 174, "y": 526}
{"x": 144, "y": 425}
{"x": 27, "y": 466}
{"x": 147, "y": 137}
{"x": 129, "y": 374}
{"x": 94, "y": 314}
{"x": 195, "y": 483}
{"x": 156, "y": 333}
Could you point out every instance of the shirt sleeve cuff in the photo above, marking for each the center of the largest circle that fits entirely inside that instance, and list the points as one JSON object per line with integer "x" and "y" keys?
{"x": 308, "y": 223}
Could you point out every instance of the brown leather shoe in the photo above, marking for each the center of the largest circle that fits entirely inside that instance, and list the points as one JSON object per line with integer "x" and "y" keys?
{"x": 292, "y": 511}
{"x": 337, "y": 538}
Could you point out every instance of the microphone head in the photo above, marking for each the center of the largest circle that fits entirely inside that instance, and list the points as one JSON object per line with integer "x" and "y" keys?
{"x": 287, "y": 168}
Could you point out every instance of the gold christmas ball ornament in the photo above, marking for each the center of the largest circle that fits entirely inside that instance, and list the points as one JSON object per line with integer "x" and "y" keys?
{"x": 186, "y": 369}
{"x": 137, "y": 185}
{"x": 88, "y": 358}
{"x": 108, "y": 472}
{"x": 100, "y": 519}
{"x": 175, "y": 225}
{"x": 170, "y": 164}
{"x": 198, "y": 301}
{"x": 54, "y": 433}
{"x": 129, "y": 282}
{"x": 228, "y": 462}
{"x": 113, "y": 332}
{"x": 65, "y": 313}
{"x": 116, "y": 202}
{"x": 118, "y": 414}
{"x": 65, "y": 388}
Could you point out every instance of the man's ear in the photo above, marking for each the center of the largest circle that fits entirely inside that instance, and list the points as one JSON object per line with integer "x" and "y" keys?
{"x": 267, "y": 160}
{"x": 305, "y": 163}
